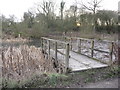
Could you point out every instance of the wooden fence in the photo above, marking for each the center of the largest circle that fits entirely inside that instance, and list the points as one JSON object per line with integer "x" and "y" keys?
{"x": 50, "y": 44}
{"x": 92, "y": 47}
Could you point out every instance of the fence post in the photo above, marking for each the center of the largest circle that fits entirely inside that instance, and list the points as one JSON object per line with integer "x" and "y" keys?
{"x": 55, "y": 51}
{"x": 67, "y": 57}
{"x": 92, "y": 48}
{"x": 48, "y": 49}
{"x": 79, "y": 45}
{"x": 42, "y": 43}
{"x": 111, "y": 52}
{"x": 70, "y": 43}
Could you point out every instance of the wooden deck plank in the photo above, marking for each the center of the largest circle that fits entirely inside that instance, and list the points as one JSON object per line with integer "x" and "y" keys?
{"x": 78, "y": 62}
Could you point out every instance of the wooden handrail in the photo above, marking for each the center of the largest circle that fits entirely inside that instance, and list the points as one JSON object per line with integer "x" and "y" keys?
{"x": 58, "y": 41}
{"x": 110, "y": 52}
{"x": 79, "y": 38}
{"x": 101, "y": 51}
{"x": 89, "y": 39}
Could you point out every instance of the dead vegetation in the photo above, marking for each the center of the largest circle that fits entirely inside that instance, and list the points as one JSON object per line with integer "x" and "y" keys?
{"x": 23, "y": 62}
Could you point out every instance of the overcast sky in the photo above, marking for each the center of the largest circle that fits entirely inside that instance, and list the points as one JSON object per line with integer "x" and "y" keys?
{"x": 18, "y": 7}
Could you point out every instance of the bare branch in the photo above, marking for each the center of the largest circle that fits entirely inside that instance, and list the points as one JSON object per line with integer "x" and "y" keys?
{"x": 92, "y": 5}
{"x": 38, "y": 10}
{"x": 100, "y": 1}
{"x": 88, "y": 8}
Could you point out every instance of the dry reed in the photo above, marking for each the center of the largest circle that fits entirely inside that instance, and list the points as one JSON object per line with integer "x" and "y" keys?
{"x": 22, "y": 62}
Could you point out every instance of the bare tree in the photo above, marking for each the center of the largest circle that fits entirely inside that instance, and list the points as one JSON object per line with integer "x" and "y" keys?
{"x": 29, "y": 18}
{"x": 92, "y": 6}
{"x": 73, "y": 8}
{"x": 47, "y": 7}
{"x": 62, "y": 4}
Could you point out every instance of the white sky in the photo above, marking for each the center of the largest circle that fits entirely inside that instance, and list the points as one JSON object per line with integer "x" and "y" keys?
{"x": 18, "y": 7}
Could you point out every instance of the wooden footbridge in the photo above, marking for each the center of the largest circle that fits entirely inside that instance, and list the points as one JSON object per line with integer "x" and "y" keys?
{"x": 72, "y": 54}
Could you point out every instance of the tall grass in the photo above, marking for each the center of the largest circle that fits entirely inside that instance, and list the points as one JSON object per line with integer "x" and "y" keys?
{"x": 21, "y": 63}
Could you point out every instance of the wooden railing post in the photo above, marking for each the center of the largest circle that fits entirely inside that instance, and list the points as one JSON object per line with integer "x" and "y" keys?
{"x": 70, "y": 43}
{"x": 79, "y": 46}
{"x": 67, "y": 57}
{"x": 45, "y": 45}
{"x": 55, "y": 51}
{"x": 42, "y": 43}
{"x": 111, "y": 52}
{"x": 92, "y": 48}
{"x": 48, "y": 49}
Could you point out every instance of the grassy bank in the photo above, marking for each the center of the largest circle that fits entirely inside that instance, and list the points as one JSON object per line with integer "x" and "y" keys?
{"x": 74, "y": 79}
